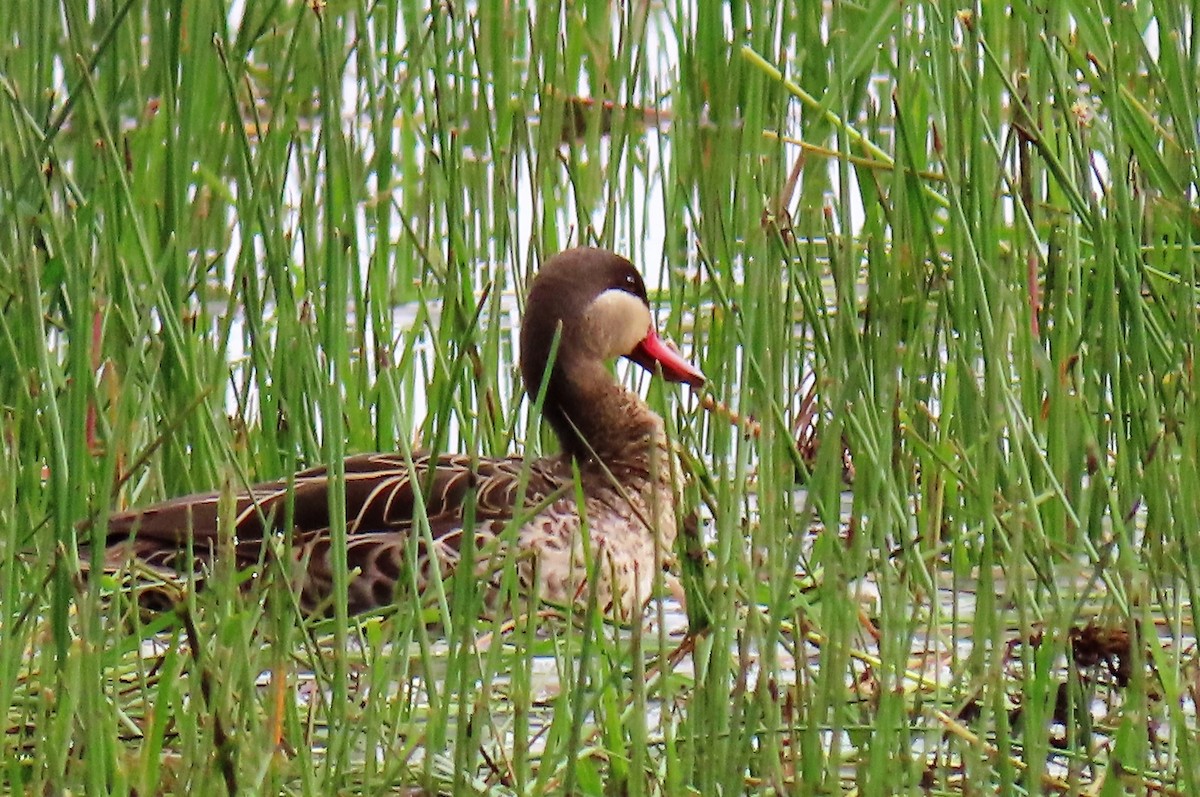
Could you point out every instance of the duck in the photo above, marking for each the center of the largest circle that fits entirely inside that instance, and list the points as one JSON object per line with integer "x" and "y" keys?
{"x": 604, "y": 506}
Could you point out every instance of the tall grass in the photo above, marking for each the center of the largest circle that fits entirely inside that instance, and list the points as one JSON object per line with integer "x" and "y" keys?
{"x": 956, "y": 246}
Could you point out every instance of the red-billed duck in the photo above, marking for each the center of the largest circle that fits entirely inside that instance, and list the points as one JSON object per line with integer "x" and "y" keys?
{"x": 594, "y": 303}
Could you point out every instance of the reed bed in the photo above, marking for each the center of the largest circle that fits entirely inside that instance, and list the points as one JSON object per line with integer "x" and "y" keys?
{"x": 940, "y": 267}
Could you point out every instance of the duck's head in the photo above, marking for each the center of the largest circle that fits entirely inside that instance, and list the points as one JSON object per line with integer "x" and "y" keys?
{"x": 595, "y": 303}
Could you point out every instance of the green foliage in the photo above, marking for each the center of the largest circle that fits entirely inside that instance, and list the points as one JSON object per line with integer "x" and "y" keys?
{"x": 948, "y": 254}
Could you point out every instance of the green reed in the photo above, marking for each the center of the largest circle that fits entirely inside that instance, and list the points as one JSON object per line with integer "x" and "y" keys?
{"x": 971, "y": 233}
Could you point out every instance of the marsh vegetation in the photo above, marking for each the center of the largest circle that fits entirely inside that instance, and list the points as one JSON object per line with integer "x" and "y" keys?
{"x": 938, "y": 263}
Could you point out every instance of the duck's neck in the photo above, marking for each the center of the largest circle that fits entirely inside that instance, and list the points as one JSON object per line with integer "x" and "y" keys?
{"x": 594, "y": 416}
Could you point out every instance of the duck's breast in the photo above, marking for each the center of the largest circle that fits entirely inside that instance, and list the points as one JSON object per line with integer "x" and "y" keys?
{"x": 630, "y": 533}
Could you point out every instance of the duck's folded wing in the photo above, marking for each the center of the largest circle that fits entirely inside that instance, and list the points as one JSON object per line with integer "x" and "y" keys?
{"x": 381, "y": 497}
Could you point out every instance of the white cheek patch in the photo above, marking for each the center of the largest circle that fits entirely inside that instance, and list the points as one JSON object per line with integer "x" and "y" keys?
{"x": 617, "y": 321}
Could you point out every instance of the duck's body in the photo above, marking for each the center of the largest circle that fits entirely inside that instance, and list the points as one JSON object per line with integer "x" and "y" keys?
{"x": 585, "y": 306}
